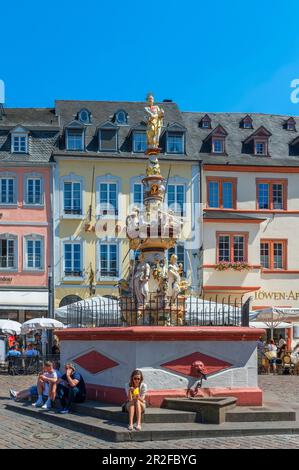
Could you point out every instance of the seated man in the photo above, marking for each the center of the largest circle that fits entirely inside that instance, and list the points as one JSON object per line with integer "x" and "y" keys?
{"x": 46, "y": 386}
{"x": 71, "y": 388}
{"x": 31, "y": 351}
{"x": 13, "y": 352}
{"x": 32, "y": 391}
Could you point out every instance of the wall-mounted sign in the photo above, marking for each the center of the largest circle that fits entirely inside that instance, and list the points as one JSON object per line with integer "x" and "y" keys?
{"x": 5, "y": 279}
{"x": 276, "y": 295}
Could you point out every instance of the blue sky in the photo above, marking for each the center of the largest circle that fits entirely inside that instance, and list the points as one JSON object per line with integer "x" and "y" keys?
{"x": 205, "y": 55}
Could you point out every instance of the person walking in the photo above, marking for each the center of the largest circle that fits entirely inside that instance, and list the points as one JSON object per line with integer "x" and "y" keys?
{"x": 136, "y": 391}
{"x": 271, "y": 355}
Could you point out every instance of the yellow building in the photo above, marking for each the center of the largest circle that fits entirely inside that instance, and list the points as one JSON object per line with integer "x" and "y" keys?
{"x": 99, "y": 166}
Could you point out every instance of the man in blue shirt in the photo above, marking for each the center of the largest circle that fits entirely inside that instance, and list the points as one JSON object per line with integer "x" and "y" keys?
{"x": 71, "y": 388}
{"x": 31, "y": 351}
{"x": 13, "y": 352}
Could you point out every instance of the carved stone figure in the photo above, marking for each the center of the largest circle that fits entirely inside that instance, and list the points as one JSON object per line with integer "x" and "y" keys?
{"x": 153, "y": 166}
{"x": 132, "y": 224}
{"x": 155, "y": 116}
{"x": 174, "y": 279}
{"x": 140, "y": 282}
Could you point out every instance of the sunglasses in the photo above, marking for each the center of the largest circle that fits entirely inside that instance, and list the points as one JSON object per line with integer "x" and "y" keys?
{"x": 136, "y": 378}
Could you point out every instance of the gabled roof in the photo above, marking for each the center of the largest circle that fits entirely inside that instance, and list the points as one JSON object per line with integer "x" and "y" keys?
{"x": 260, "y": 132}
{"x": 219, "y": 131}
{"x": 108, "y": 125}
{"x": 175, "y": 126}
{"x": 75, "y": 125}
{"x": 20, "y": 129}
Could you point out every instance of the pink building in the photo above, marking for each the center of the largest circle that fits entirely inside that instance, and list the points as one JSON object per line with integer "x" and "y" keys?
{"x": 26, "y": 141}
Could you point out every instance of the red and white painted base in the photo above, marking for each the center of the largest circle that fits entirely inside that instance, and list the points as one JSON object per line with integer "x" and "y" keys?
{"x": 107, "y": 356}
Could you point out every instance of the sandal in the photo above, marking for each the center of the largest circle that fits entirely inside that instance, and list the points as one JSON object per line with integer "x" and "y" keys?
{"x": 138, "y": 428}
{"x": 130, "y": 427}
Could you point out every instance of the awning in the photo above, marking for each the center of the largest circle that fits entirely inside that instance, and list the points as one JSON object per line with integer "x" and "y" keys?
{"x": 26, "y": 300}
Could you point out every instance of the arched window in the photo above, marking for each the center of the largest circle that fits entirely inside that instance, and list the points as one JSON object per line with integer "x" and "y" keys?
{"x": 121, "y": 117}
{"x": 84, "y": 116}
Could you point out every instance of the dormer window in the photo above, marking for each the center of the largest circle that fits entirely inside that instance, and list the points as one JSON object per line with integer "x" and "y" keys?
{"x": 257, "y": 143}
{"x": 175, "y": 142}
{"x": 74, "y": 139}
{"x": 246, "y": 122}
{"x": 217, "y": 145}
{"x": 139, "y": 142}
{"x": 19, "y": 140}
{"x": 121, "y": 117}
{"x": 205, "y": 122}
{"x": 260, "y": 148}
{"x": 290, "y": 124}
{"x": 84, "y": 116}
{"x": 108, "y": 138}
{"x": 215, "y": 141}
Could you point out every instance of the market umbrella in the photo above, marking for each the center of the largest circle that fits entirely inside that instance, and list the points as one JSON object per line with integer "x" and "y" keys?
{"x": 273, "y": 317}
{"x": 10, "y": 327}
{"x": 43, "y": 324}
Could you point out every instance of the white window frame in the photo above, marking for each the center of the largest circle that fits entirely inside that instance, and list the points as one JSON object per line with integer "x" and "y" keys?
{"x": 18, "y": 135}
{"x": 108, "y": 241}
{"x": 213, "y": 145}
{"x": 65, "y": 276}
{"x": 13, "y": 176}
{"x": 76, "y": 131}
{"x": 72, "y": 178}
{"x": 7, "y": 237}
{"x": 135, "y": 133}
{"x": 33, "y": 176}
{"x": 33, "y": 237}
{"x": 108, "y": 179}
{"x": 260, "y": 142}
{"x": 176, "y": 184}
{"x": 175, "y": 134}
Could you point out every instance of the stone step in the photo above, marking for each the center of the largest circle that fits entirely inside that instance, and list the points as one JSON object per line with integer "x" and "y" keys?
{"x": 258, "y": 414}
{"x": 117, "y": 432}
{"x": 210, "y": 410}
{"x": 152, "y": 415}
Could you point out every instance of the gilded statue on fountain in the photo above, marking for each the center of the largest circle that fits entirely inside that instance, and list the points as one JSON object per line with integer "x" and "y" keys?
{"x": 154, "y": 118}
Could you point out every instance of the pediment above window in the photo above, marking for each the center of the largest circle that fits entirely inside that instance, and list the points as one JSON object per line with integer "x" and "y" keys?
{"x": 19, "y": 130}
{"x": 261, "y": 132}
{"x": 246, "y": 122}
{"x": 108, "y": 125}
{"x": 219, "y": 131}
{"x": 75, "y": 125}
{"x": 176, "y": 127}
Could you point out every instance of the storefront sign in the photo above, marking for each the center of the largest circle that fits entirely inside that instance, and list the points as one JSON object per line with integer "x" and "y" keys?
{"x": 5, "y": 279}
{"x": 276, "y": 295}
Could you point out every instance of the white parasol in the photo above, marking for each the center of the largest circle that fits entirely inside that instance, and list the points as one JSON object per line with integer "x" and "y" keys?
{"x": 10, "y": 327}
{"x": 43, "y": 324}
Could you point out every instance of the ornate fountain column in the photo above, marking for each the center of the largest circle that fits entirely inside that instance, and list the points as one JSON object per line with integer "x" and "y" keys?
{"x": 154, "y": 285}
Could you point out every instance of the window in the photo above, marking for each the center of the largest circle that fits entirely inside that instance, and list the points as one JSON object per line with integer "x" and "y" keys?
{"x": 8, "y": 256}
{"x": 74, "y": 139}
{"x": 290, "y": 124}
{"x": 108, "y": 260}
{"x": 7, "y": 191}
{"x": 34, "y": 191}
{"x": 138, "y": 193}
{"x": 19, "y": 143}
{"x": 271, "y": 195}
{"x": 121, "y": 117}
{"x": 175, "y": 143}
{"x": 179, "y": 251}
{"x": 84, "y": 116}
{"x": 218, "y": 146}
{"x": 232, "y": 247}
{"x": 72, "y": 259}
{"x": 72, "y": 198}
{"x": 34, "y": 253}
{"x": 221, "y": 193}
{"x": 205, "y": 124}
{"x": 176, "y": 198}
{"x": 247, "y": 125}
{"x": 260, "y": 148}
{"x": 139, "y": 142}
{"x": 273, "y": 254}
{"x": 108, "y": 199}
{"x": 108, "y": 140}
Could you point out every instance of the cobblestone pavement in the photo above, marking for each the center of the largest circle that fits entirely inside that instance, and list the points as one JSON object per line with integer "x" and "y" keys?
{"x": 25, "y": 432}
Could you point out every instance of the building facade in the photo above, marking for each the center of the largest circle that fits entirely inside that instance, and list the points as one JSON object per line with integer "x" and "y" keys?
{"x": 99, "y": 166}
{"x": 27, "y": 137}
{"x": 250, "y": 196}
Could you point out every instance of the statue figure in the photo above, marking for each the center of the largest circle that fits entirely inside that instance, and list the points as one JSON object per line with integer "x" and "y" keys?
{"x": 132, "y": 224}
{"x": 140, "y": 282}
{"x": 174, "y": 279}
{"x": 154, "y": 122}
{"x": 153, "y": 167}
